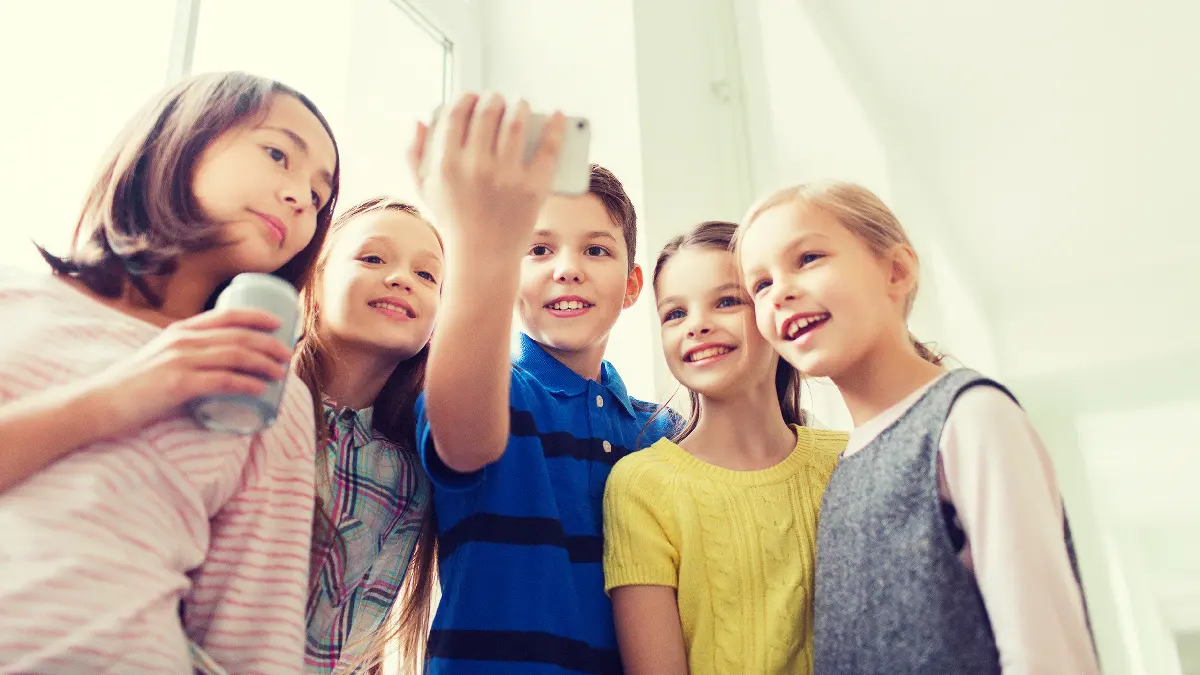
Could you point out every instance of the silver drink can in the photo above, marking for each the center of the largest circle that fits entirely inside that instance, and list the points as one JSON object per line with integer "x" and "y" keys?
{"x": 243, "y": 413}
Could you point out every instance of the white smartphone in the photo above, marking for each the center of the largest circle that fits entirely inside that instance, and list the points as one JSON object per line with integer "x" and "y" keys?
{"x": 573, "y": 174}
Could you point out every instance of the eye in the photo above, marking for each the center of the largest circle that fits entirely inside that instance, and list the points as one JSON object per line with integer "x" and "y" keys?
{"x": 316, "y": 199}
{"x": 278, "y": 156}
{"x": 673, "y": 315}
{"x": 728, "y": 301}
{"x": 427, "y": 276}
{"x": 809, "y": 258}
{"x": 597, "y": 251}
{"x": 760, "y": 286}
{"x": 539, "y": 250}
{"x": 371, "y": 259}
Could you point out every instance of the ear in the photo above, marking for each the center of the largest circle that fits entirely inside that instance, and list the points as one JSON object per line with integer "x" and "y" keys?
{"x": 633, "y": 286}
{"x": 904, "y": 271}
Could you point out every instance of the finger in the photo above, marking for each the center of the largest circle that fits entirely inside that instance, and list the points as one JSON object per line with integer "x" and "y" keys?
{"x": 545, "y": 158}
{"x": 249, "y": 340}
{"x": 416, "y": 154}
{"x": 450, "y": 132}
{"x": 481, "y": 137}
{"x": 237, "y": 360}
{"x": 242, "y": 317}
{"x": 211, "y": 382}
{"x": 510, "y": 146}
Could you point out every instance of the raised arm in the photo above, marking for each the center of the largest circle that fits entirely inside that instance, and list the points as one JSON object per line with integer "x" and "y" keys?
{"x": 485, "y": 200}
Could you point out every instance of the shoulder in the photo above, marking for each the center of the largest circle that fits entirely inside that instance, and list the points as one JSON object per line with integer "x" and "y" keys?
{"x": 986, "y": 407}
{"x": 663, "y": 424}
{"x": 986, "y": 425}
{"x": 17, "y": 285}
{"x": 651, "y": 469}
{"x": 827, "y": 446}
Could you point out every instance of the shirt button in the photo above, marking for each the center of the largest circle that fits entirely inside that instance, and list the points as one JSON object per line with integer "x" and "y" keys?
{"x": 607, "y": 446}
{"x": 599, "y": 401}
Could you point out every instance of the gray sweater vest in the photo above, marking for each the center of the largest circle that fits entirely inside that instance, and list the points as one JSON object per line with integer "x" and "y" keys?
{"x": 892, "y": 595}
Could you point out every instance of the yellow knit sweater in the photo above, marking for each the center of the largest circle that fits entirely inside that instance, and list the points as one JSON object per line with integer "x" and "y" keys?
{"x": 738, "y": 547}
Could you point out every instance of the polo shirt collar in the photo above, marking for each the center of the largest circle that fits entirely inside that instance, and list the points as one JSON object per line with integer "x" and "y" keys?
{"x": 559, "y": 379}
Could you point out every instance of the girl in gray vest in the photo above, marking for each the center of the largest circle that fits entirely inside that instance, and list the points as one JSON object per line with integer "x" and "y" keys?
{"x": 943, "y": 547}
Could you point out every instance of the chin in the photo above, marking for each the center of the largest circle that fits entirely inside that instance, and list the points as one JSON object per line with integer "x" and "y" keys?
{"x": 567, "y": 340}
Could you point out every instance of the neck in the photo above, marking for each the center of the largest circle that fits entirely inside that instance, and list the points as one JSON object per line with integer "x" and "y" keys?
{"x": 183, "y": 294}
{"x": 884, "y": 377}
{"x": 744, "y": 431}
{"x": 584, "y": 362}
{"x": 357, "y": 375}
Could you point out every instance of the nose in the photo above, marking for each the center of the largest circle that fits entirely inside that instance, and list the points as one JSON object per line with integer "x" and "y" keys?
{"x": 399, "y": 280}
{"x": 781, "y": 294}
{"x": 698, "y": 325}
{"x": 567, "y": 269}
{"x": 295, "y": 195}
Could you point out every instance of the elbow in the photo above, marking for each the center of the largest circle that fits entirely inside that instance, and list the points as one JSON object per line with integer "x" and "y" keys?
{"x": 461, "y": 441}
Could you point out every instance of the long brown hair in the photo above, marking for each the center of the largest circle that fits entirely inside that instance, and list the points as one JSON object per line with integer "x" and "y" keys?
{"x": 141, "y": 214}
{"x": 861, "y": 212}
{"x": 392, "y": 418}
{"x": 718, "y": 235}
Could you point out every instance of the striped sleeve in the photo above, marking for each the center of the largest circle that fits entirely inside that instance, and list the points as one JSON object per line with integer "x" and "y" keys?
{"x": 246, "y": 608}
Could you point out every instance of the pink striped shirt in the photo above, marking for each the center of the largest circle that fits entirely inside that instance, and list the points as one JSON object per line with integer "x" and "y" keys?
{"x": 98, "y": 551}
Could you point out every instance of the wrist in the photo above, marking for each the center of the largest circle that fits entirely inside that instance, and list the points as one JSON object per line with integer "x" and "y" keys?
{"x": 96, "y": 408}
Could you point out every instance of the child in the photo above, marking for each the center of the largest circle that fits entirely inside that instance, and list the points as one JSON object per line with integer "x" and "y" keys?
{"x": 519, "y": 453}
{"x": 943, "y": 545}
{"x": 116, "y": 505}
{"x": 368, "y": 316}
{"x": 709, "y": 539}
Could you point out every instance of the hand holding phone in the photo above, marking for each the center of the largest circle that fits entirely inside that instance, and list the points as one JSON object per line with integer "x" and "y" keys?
{"x": 572, "y": 175}
{"x": 476, "y": 173}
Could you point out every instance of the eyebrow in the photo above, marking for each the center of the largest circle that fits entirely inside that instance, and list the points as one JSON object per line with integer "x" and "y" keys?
{"x": 302, "y": 145}
{"x": 600, "y": 234}
{"x": 596, "y": 234}
{"x": 387, "y": 243}
{"x": 731, "y": 286}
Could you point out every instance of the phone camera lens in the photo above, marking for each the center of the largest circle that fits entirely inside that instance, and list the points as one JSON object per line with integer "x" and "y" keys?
{"x": 580, "y": 124}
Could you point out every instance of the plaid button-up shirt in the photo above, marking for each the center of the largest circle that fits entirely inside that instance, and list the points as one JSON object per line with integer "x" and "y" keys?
{"x": 377, "y": 495}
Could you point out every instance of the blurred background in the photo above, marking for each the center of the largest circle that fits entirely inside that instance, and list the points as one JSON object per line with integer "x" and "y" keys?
{"x": 1041, "y": 154}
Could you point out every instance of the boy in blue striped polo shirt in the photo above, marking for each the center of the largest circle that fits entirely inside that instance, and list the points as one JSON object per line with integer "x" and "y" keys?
{"x": 520, "y": 452}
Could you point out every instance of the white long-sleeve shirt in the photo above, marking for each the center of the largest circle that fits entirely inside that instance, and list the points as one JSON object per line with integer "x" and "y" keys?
{"x": 994, "y": 470}
{"x": 98, "y": 550}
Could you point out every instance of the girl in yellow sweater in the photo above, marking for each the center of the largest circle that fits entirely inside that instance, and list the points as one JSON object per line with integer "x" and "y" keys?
{"x": 709, "y": 539}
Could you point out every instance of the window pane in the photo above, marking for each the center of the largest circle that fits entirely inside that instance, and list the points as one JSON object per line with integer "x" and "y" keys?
{"x": 69, "y": 87}
{"x": 374, "y": 72}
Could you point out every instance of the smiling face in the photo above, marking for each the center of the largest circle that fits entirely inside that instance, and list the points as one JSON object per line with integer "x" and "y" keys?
{"x": 379, "y": 284}
{"x": 575, "y": 278}
{"x": 707, "y": 322}
{"x": 822, "y": 298}
{"x": 263, "y": 183}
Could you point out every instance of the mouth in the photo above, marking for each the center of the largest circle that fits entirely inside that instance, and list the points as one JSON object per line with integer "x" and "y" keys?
{"x": 568, "y": 306}
{"x": 707, "y": 353}
{"x": 800, "y": 325}
{"x": 273, "y": 224}
{"x": 393, "y": 308}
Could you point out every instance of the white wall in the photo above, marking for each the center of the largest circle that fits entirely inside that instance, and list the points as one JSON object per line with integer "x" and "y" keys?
{"x": 579, "y": 57}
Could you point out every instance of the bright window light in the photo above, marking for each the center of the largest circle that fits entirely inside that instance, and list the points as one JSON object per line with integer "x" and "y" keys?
{"x": 69, "y": 87}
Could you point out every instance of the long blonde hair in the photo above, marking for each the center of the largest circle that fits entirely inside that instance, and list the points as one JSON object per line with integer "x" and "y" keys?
{"x": 393, "y": 418}
{"x": 861, "y": 212}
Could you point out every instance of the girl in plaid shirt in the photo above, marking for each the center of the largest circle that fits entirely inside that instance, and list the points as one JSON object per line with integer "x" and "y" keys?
{"x": 368, "y": 318}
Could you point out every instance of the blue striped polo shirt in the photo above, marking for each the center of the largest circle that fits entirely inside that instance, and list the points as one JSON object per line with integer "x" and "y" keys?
{"x": 520, "y": 541}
